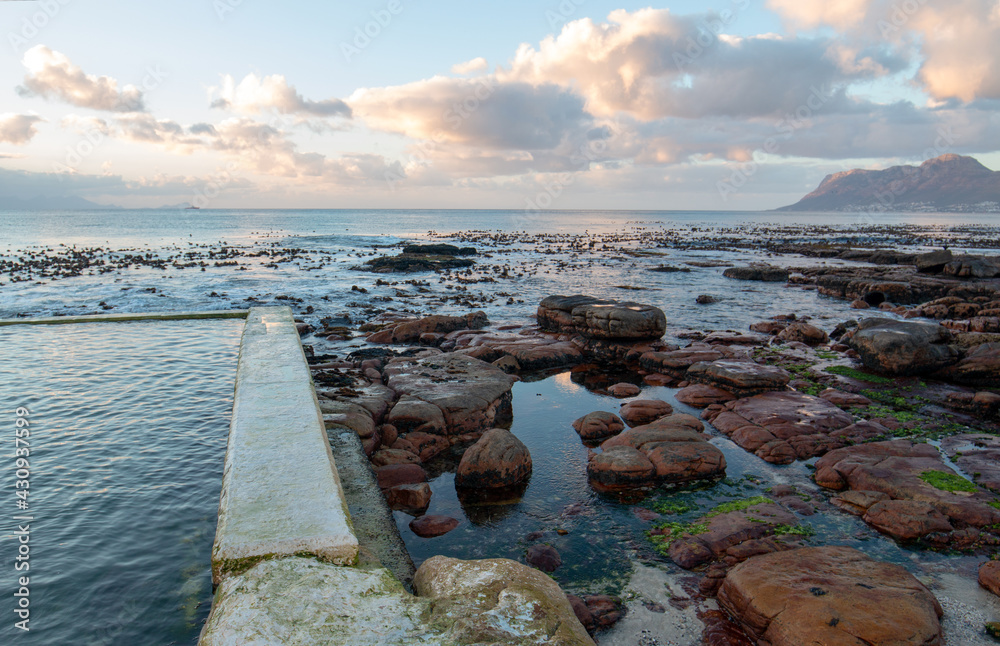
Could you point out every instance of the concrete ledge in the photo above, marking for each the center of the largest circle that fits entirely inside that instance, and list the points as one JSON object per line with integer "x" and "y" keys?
{"x": 132, "y": 316}
{"x": 281, "y": 493}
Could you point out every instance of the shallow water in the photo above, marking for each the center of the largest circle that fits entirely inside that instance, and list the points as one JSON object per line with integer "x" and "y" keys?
{"x": 605, "y": 549}
{"x": 129, "y": 423}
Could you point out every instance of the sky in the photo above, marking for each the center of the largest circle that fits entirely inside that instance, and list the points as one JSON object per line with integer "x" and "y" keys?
{"x": 719, "y": 105}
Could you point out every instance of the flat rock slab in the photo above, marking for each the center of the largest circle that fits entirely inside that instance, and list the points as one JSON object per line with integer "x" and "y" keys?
{"x": 834, "y": 596}
{"x": 895, "y": 469}
{"x": 781, "y": 427}
{"x": 595, "y": 318}
{"x": 281, "y": 493}
{"x": 979, "y": 368}
{"x": 977, "y": 454}
{"x": 410, "y": 331}
{"x": 720, "y": 532}
{"x": 742, "y": 378}
{"x": 472, "y": 396}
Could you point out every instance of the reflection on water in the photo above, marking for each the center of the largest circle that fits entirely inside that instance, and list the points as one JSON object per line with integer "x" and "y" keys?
{"x": 129, "y": 427}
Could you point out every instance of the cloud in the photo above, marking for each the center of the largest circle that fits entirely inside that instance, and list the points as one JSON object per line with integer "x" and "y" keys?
{"x": 84, "y": 125}
{"x": 18, "y": 129}
{"x": 469, "y": 67}
{"x": 255, "y": 95}
{"x": 53, "y": 76}
{"x": 654, "y": 64}
{"x": 956, "y": 42}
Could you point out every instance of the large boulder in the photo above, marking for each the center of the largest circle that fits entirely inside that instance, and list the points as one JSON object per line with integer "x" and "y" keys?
{"x": 471, "y": 396}
{"x": 803, "y": 332}
{"x": 496, "y": 461}
{"x": 980, "y": 368}
{"x": 643, "y": 411}
{"x": 903, "y": 347}
{"x": 601, "y": 319}
{"x": 499, "y": 602}
{"x": 742, "y": 378}
{"x": 832, "y": 596}
{"x": 933, "y": 262}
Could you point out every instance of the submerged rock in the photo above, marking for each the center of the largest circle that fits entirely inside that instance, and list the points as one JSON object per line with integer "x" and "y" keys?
{"x": 432, "y": 526}
{"x": 759, "y": 272}
{"x": 830, "y": 595}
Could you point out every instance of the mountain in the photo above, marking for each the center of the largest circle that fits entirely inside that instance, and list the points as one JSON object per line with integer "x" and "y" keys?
{"x": 50, "y": 203}
{"x": 947, "y": 183}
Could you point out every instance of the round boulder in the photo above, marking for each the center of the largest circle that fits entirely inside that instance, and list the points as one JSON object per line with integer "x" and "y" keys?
{"x": 643, "y": 411}
{"x": 624, "y": 390}
{"x": 497, "y": 460}
{"x": 598, "y": 426}
{"x": 620, "y": 467}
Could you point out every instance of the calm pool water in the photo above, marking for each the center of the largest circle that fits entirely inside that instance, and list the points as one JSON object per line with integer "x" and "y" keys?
{"x": 128, "y": 432}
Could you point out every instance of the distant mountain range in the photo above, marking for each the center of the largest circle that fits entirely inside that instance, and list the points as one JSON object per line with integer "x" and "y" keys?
{"x": 50, "y": 203}
{"x": 949, "y": 183}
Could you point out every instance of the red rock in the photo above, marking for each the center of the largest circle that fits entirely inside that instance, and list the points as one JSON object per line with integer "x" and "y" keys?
{"x": 544, "y": 557}
{"x": 727, "y": 530}
{"x": 389, "y": 434}
{"x": 739, "y": 377}
{"x": 680, "y": 462}
{"x": 408, "y": 496}
{"x": 431, "y": 526}
{"x": 601, "y": 319}
{"x": 428, "y": 446}
{"x": 844, "y": 400}
{"x": 989, "y": 576}
{"x": 384, "y": 457}
{"x": 700, "y": 396}
{"x": 598, "y": 426}
{"x": 644, "y": 411}
{"x": 830, "y": 595}
{"x": 658, "y": 380}
{"x": 676, "y": 362}
{"x": 497, "y": 460}
{"x": 857, "y": 502}
{"x": 581, "y": 611}
{"x": 804, "y": 333}
{"x": 620, "y": 467}
{"x": 605, "y": 610}
{"x": 623, "y": 390}
{"x": 393, "y": 475}
{"x": 768, "y": 327}
{"x": 906, "y": 520}
{"x": 409, "y": 331}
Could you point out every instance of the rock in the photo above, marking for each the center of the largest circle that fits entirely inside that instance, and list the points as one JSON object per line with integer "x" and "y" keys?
{"x": 409, "y": 496}
{"x": 600, "y": 319}
{"x": 500, "y": 601}
{"x": 497, "y": 460}
{"x": 677, "y": 362}
{"x": 705, "y": 299}
{"x": 758, "y": 272}
{"x": 605, "y": 610}
{"x": 899, "y": 470}
{"x": 681, "y": 462}
{"x": 471, "y": 396}
{"x": 903, "y": 348}
{"x": 643, "y": 411}
{"x": 399, "y": 474}
{"x": 972, "y": 267}
{"x": 858, "y": 502}
{"x": 543, "y": 557}
{"x": 770, "y": 328}
{"x": 906, "y": 520}
{"x": 830, "y": 595}
{"x": 980, "y": 368}
{"x": 989, "y": 576}
{"x": 720, "y": 532}
{"x": 933, "y": 262}
{"x": 411, "y": 331}
{"x": 411, "y": 263}
{"x": 844, "y": 400}
{"x": 619, "y": 468}
{"x": 384, "y": 457}
{"x": 412, "y": 414}
{"x": 741, "y": 378}
{"x": 581, "y": 611}
{"x": 598, "y": 426}
{"x": 804, "y": 333}
{"x": 977, "y": 454}
{"x": 431, "y": 526}
{"x": 624, "y": 390}
{"x": 700, "y": 396}
{"x": 439, "y": 250}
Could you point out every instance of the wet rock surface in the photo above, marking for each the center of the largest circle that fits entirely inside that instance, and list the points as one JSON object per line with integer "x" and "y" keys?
{"x": 601, "y": 319}
{"x": 903, "y": 348}
{"x": 498, "y": 460}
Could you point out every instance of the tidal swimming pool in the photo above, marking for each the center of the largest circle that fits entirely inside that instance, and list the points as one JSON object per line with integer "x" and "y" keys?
{"x": 128, "y": 428}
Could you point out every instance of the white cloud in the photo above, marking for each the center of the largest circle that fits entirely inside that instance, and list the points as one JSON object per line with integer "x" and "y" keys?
{"x": 255, "y": 95}
{"x": 53, "y": 76}
{"x": 18, "y": 128}
{"x": 470, "y": 67}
